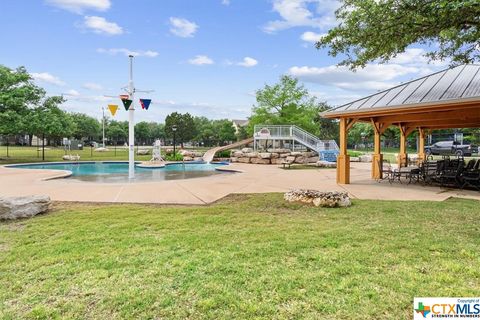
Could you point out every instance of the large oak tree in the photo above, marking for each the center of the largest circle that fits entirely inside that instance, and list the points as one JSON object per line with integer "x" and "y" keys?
{"x": 378, "y": 30}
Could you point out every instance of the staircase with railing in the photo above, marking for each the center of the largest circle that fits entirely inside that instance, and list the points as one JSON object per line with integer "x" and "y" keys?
{"x": 326, "y": 149}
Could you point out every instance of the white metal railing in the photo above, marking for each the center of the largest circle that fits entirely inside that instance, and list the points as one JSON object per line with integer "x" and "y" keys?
{"x": 290, "y": 132}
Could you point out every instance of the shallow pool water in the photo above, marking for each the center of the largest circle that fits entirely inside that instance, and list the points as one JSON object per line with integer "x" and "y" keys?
{"x": 118, "y": 171}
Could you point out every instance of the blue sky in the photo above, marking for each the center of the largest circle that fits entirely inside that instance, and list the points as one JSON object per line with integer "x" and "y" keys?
{"x": 206, "y": 57}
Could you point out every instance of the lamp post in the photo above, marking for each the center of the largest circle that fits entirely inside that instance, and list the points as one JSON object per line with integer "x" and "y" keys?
{"x": 103, "y": 127}
{"x": 174, "y": 130}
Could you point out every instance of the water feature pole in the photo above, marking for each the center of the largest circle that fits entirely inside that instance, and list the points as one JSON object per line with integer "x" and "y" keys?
{"x": 131, "y": 125}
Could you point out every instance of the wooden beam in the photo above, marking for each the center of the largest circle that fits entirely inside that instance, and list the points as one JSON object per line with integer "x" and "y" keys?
{"x": 385, "y": 126}
{"x": 350, "y": 123}
{"x": 377, "y": 158}
{"x": 444, "y": 122}
{"x": 380, "y": 127}
{"x": 402, "y": 155}
{"x": 421, "y": 144}
{"x": 376, "y": 125}
{"x": 440, "y": 115}
{"x": 473, "y": 103}
{"x": 409, "y": 130}
{"x": 453, "y": 126}
{"x": 343, "y": 159}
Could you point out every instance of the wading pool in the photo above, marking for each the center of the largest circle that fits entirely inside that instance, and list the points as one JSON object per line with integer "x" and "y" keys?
{"x": 118, "y": 171}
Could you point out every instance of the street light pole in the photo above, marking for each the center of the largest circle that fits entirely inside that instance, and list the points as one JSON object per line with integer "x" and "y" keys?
{"x": 174, "y": 129}
{"x": 131, "y": 125}
{"x": 103, "y": 126}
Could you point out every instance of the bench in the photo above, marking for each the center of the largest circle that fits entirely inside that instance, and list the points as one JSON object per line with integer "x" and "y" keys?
{"x": 286, "y": 163}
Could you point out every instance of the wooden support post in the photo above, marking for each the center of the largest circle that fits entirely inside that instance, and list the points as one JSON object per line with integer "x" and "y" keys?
{"x": 402, "y": 155}
{"x": 421, "y": 144}
{"x": 343, "y": 159}
{"x": 377, "y": 158}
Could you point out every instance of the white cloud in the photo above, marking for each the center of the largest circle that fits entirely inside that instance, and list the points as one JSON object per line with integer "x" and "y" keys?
{"x": 73, "y": 93}
{"x": 339, "y": 85}
{"x": 47, "y": 78}
{"x": 248, "y": 62}
{"x": 182, "y": 27}
{"x": 372, "y": 77}
{"x": 79, "y": 6}
{"x": 416, "y": 57}
{"x": 311, "y": 37}
{"x": 336, "y": 97}
{"x": 200, "y": 60}
{"x": 405, "y": 66}
{"x": 298, "y": 13}
{"x": 226, "y": 2}
{"x": 127, "y": 52}
{"x": 92, "y": 86}
{"x": 101, "y": 26}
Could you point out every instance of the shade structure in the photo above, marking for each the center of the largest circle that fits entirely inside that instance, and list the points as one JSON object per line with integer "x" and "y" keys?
{"x": 442, "y": 100}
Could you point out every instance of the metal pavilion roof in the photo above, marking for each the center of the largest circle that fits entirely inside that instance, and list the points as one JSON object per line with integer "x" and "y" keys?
{"x": 457, "y": 83}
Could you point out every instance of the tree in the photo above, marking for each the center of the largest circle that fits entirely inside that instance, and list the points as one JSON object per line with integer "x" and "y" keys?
{"x": 142, "y": 132}
{"x": 360, "y": 133}
{"x": 17, "y": 95}
{"x": 49, "y": 121}
{"x": 156, "y": 131}
{"x": 185, "y": 127}
{"x": 225, "y": 131}
{"x": 86, "y": 127}
{"x": 241, "y": 133}
{"x": 328, "y": 129}
{"x": 370, "y": 30}
{"x": 205, "y": 133}
{"x": 116, "y": 130}
{"x": 286, "y": 102}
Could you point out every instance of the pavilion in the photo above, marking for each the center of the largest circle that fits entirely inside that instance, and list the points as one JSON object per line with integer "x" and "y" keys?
{"x": 442, "y": 100}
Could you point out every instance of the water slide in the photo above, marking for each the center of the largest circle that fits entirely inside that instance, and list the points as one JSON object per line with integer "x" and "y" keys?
{"x": 208, "y": 156}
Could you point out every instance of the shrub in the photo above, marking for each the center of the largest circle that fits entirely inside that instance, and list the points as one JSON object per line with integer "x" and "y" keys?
{"x": 176, "y": 157}
{"x": 223, "y": 154}
{"x": 354, "y": 153}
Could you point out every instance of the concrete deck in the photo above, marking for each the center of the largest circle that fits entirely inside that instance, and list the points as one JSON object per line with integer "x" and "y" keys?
{"x": 252, "y": 179}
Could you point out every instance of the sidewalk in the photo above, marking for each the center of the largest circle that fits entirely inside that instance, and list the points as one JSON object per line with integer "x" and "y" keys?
{"x": 252, "y": 179}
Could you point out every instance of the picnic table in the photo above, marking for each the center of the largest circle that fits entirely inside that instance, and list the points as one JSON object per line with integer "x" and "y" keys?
{"x": 410, "y": 173}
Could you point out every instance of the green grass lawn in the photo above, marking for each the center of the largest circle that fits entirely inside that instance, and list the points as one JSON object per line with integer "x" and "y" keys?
{"x": 31, "y": 154}
{"x": 245, "y": 257}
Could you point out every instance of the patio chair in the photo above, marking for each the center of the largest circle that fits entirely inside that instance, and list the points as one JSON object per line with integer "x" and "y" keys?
{"x": 471, "y": 175}
{"x": 451, "y": 174}
{"x": 428, "y": 171}
{"x": 470, "y": 165}
{"x": 386, "y": 171}
{"x": 442, "y": 166}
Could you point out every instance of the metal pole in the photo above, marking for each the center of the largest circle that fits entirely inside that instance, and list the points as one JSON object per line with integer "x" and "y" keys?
{"x": 174, "y": 153}
{"x": 43, "y": 146}
{"x": 131, "y": 126}
{"x": 103, "y": 126}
